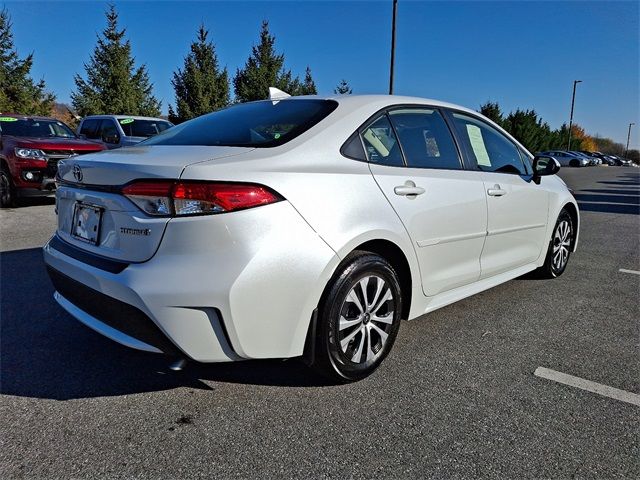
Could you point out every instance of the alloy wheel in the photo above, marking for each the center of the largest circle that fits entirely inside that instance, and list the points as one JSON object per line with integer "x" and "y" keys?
{"x": 561, "y": 245}
{"x": 366, "y": 319}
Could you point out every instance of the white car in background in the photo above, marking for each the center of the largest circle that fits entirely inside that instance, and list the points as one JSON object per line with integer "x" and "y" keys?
{"x": 302, "y": 226}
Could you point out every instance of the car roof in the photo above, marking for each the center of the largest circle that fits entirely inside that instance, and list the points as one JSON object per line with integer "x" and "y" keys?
{"x": 120, "y": 117}
{"x": 22, "y": 116}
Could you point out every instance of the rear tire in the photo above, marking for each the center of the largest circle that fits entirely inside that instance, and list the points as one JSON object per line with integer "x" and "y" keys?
{"x": 7, "y": 190}
{"x": 559, "y": 249}
{"x": 358, "y": 318}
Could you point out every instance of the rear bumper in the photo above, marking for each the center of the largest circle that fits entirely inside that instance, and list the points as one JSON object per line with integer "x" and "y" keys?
{"x": 219, "y": 288}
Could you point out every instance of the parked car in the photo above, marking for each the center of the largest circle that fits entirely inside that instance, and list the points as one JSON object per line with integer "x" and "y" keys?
{"x": 603, "y": 158}
{"x": 620, "y": 161}
{"x": 592, "y": 160}
{"x": 302, "y": 226}
{"x": 568, "y": 159}
{"x": 30, "y": 149}
{"x": 116, "y": 131}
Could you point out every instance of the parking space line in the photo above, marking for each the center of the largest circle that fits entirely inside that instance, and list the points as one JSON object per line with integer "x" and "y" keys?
{"x": 624, "y": 270}
{"x": 588, "y": 385}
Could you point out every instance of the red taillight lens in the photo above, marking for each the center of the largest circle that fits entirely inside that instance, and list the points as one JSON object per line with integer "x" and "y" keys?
{"x": 196, "y": 198}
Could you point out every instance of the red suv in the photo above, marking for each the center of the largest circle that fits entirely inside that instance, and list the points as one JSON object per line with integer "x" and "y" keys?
{"x": 30, "y": 148}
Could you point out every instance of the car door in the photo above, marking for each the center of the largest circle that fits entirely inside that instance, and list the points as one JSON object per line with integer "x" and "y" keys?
{"x": 517, "y": 206}
{"x": 414, "y": 160}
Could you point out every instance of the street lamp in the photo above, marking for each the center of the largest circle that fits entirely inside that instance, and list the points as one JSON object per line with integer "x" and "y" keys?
{"x": 393, "y": 45}
{"x": 626, "y": 150}
{"x": 573, "y": 101}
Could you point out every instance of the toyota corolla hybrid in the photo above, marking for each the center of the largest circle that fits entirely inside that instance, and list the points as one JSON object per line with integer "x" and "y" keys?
{"x": 302, "y": 226}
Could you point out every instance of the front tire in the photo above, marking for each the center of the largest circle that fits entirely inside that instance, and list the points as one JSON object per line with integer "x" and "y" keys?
{"x": 7, "y": 190}
{"x": 358, "y": 318}
{"x": 559, "y": 249}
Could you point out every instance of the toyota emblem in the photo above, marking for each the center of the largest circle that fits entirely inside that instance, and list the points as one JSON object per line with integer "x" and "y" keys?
{"x": 77, "y": 173}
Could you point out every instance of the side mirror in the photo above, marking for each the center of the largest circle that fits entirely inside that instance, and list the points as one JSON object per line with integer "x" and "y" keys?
{"x": 543, "y": 166}
{"x": 112, "y": 139}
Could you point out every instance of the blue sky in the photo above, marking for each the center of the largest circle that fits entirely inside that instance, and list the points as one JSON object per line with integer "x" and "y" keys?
{"x": 520, "y": 54}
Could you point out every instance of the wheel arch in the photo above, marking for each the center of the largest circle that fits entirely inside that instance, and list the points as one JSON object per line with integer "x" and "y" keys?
{"x": 572, "y": 209}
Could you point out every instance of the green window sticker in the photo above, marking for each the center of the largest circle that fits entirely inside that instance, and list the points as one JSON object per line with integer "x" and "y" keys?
{"x": 276, "y": 136}
{"x": 8, "y": 119}
{"x": 124, "y": 121}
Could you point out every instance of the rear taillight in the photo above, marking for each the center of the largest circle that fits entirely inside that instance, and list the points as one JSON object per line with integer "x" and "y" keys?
{"x": 179, "y": 198}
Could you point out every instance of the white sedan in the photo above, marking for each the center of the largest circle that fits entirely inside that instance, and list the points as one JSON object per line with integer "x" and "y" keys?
{"x": 302, "y": 227}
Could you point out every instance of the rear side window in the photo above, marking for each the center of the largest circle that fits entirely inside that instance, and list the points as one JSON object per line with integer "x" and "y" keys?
{"x": 381, "y": 143}
{"x": 90, "y": 128}
{"x": 425, "y": 138}
{"x": 143, "y": 128}
{"x": 257, "y": 124}
{"x": 489, "y": 149}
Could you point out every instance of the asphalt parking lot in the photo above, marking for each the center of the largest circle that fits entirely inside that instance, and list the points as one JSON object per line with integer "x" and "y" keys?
{"x": 457, "y": 397}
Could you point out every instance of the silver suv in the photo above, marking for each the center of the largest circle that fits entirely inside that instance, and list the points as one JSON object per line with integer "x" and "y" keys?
{"x": 116, "y": 131}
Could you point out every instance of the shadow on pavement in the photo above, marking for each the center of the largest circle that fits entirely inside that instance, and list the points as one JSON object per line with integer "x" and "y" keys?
{"x": 45, "y": 353}
{"x": 612, "y": 200}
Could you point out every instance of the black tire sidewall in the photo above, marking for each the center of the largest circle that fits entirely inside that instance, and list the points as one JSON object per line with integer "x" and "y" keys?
{"x": 9, "y": 202}
{"x": 329, "y": 314}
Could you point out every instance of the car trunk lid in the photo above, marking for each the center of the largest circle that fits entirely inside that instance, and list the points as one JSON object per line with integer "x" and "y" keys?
{"x": 94, "y": 216}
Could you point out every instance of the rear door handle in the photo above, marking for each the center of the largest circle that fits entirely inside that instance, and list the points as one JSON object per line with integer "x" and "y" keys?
{"x": 496, "y": 191}
{"x": 409, "y": 189}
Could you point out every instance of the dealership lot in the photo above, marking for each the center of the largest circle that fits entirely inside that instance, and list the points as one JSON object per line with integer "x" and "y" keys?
{"x": 456, "y": 397}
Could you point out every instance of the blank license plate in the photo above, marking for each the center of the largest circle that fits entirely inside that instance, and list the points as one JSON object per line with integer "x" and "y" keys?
{"x": 86, "y": 223}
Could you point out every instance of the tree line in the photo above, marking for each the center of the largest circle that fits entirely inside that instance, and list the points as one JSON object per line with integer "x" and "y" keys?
{"x": 113, "y": 84}
{"x": 537, "y": 136}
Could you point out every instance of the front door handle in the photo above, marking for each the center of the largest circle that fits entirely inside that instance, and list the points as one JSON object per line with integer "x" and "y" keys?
{"x": 496, "y": 191}
{"x": 409, "y": 189}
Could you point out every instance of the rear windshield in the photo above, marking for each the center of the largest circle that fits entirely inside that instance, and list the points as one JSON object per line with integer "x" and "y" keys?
{"x": 256, "y": 124}
{"x": 143, "y": 128}
{"x": 30, "y": 127}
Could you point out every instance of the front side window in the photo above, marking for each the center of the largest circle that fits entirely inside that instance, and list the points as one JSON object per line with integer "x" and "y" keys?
{"x": 90, "y": 128}
{"x": 255, "y": 124}
{"x": 108, "y": 128}
{"x": 489, "y": 149}
{"x": 425, "y": 138}
{"x": 381, "y": 144}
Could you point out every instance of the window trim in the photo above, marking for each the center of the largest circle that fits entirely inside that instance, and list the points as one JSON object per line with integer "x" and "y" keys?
{"x": 472, "y": 165}
{"x": 404, "y": 106}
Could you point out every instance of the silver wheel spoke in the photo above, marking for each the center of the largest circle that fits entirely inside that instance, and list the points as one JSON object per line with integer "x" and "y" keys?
{"x": 387, "y": 296}
{"x": 344, "y": 323}
{"x": 383, "y": 335}
{"x": 363, "y": 287}
{"x": 388, "y": 319}
{"x": 381, "y": 285}
{"x": 358, "y": 353}
{"x": 353, "y": 298}
{"x": 344, "y": 343}
{"x": 370, "y": 353}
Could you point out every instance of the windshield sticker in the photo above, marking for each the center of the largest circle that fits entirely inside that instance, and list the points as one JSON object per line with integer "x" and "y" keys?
{"x": 124, "y": 121}
{"x": 8, "y": 119}
{"x": 276, "y": 136}
{"x": 477, "y": 144}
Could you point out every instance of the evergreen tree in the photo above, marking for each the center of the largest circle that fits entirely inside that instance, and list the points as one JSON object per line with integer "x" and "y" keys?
{"x": 18, "y": 92}
{"x": 492, "y": 111}
{"x": 264, "y": 69}
{"x": 200, "y": 87}
{"x": 308, "y": 86}
{"x": 343, "y": 88}
{"x": 113, "y": 84}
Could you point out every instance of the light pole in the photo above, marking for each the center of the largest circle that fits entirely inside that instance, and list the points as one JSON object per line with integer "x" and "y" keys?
{"x": 626, "y": 150}
{"x": 393, "y": 45}
{"x": 573, "y": 101}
